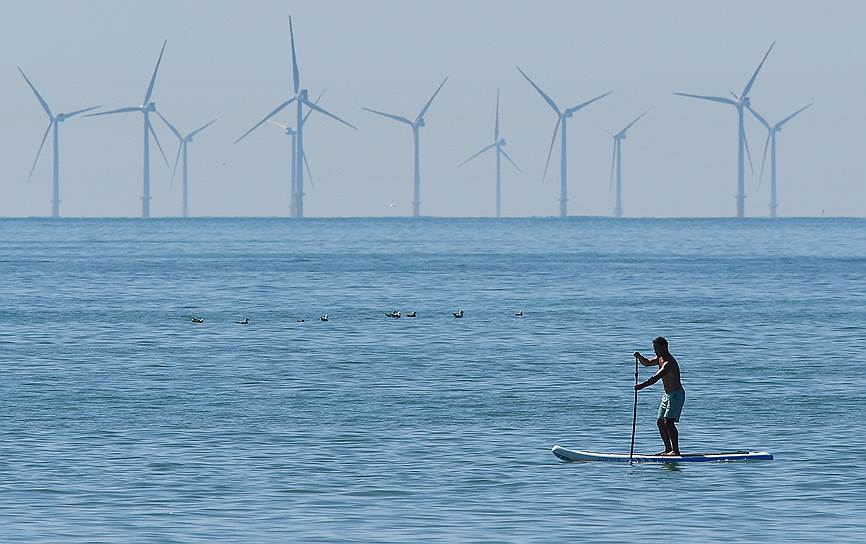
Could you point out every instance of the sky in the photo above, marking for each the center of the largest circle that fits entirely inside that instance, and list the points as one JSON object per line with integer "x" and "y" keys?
{"x": 231, "y": 61}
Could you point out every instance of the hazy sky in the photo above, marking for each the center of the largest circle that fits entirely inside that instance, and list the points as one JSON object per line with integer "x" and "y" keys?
{"x": 232, "y": 61}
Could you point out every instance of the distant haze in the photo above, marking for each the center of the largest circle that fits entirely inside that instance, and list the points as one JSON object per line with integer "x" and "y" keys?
{"x": 231, "y": 60}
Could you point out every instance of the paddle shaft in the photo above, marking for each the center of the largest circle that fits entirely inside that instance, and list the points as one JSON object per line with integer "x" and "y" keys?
{"x": 634, "y": 415}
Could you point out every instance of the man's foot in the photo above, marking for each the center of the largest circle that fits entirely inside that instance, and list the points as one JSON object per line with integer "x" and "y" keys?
{"x": 670, "y": 454}
{"x": 666, "y": 452}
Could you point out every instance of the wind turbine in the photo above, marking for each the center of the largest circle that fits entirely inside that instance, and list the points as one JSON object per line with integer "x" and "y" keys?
{"x": 616, "y": 163}
{"x": 771, "y": 142}
{"x": 739, "y": 102}
{"x": 562, "y": 117}
{"x": 498, "y": 144}
{"x": 182, "y": 148}
{"x": 301, "y": 98}
{"x": 146, "y": 108}
{"x": 415, "y": 126}
{"x": 53, "y": 123}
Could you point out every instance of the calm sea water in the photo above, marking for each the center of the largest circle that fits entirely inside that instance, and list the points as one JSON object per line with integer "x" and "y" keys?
{"x": 124, "y": 422}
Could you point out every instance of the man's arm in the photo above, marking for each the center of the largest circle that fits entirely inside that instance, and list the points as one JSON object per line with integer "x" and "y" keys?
{"x": 654, "y": 378}
{"x": 646, "y": 362}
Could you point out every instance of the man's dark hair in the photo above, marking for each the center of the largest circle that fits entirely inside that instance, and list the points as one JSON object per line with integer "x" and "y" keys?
{"x": 661, "y": 341}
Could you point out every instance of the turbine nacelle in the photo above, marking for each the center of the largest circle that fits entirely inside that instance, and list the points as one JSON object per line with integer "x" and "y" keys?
{"x": 149, "y": 107}
{"x": 501, "y": 142}
{"x": 420, "y": 123}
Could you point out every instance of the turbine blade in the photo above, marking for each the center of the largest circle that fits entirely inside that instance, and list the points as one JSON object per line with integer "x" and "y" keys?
{"x": 550, "y": 151}
{"x": 158, "y": 145}
{"x": 546, "y": 98}
{"x": 587, "y": 103}
{"x": 315, "y": 102}
{"x": 748, "y": 86}
{"x": 39, "y": 151}
{"x": 748, "y": 153}
{"x": 720, "y": 99}
{"x": 112, "y": 112}
{"x": 389, "y": 116}
{"x": 613, "y": 162}
{"x": 170, "y": 126}
{"x": 174, "y": 171}
{"x": 268, "y": 116}
{"x": 796, "y": 113}
{"x": 85, "y": 110}
{"x": 38, "y": 96}
{"x": 323, "y": 111}
{"x": 284, "y": 127}
{"x": 153, "y": 77}
{"x": 309, "y": 174}
{"x": 635, "y": 121}
{"x": 427, "y": 105}
{"x": 485, "y": 148}
{"x": 296, "y": 75}
{"x": 514, "y": 164}
{"x": 764, "y": 159}
{"x": 201, "y": 128}
{"x": 759, "y": 117}
{"x": 496, "y": 127}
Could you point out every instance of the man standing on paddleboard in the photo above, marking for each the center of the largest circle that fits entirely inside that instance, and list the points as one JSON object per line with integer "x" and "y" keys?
{"x": 673, "y": 398}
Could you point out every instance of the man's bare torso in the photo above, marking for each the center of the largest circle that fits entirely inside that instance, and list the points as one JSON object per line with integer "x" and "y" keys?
{"x": 671, "y": 378}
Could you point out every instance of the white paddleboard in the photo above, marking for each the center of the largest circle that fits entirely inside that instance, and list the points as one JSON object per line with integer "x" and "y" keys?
{"x": 577, "y": 455}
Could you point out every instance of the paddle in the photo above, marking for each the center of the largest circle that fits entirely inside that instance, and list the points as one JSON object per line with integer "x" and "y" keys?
{"x": 634, "y": 416}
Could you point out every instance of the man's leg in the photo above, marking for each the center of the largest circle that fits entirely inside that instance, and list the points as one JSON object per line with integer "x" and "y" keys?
{"x": 663, "y": 431}
{"x": 673, "y": 436}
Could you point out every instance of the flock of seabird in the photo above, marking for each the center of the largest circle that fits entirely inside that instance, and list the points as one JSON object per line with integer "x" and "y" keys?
{"x": 395, "y": 314}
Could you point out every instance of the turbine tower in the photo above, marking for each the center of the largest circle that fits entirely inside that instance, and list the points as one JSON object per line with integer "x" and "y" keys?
{"x": 182, "y": 149}
{"x": 562, "y": 117}
{"x": 616, "y": 163}
{"x": 415, "y": 126}
{"x": 301, "y": 98}
{"x": 146, "y": 108}
{"x": 771, "y": 142}
{"x": 53, "y": 123}
{"x": 498, "y": 144}
{"x": 739, "y": 102}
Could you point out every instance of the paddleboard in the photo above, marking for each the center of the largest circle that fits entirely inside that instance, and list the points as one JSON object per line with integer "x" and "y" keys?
{"x": 577, "y": 455}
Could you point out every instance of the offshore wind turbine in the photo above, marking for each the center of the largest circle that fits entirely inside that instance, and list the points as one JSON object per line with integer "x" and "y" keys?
{"x": 498, "y": 144}
{"x": 301, "y": 98}
{"x": 740, "y": 102}
{"x": 182, "y": 149}
{"x": 415, "y": 126}
{"x": 616, "y": 163}
{"x": 772, "y": 130}
{"x": 562, "y": 117}
{"x": 53, "y": 123}
{"x": 146, "y": 108}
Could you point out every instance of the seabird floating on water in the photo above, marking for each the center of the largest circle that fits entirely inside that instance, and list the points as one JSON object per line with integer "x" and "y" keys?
{"x": 197, "y": 319}
{"x": 324, "y": 317}
{"x": 519, "y": 313}
{"x": 457, "y": 314}
{"x": 411, "y": 314}
{"x": 244, "y": 321}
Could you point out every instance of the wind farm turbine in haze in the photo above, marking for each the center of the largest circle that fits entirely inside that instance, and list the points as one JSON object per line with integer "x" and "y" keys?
{"x": 616, "y": 163}
{"x": 772, "y": 130}
{"x": 53, "y": 123}
{"x": 498, "y": 144}
{"x": 562, "y": 117}
{"x": 182, "y": 149}
{"x": 145, "y": 108}
{"x": 415, "y": 126}
{"x": 301, "y": 98}
{"x": 740, "y": 102}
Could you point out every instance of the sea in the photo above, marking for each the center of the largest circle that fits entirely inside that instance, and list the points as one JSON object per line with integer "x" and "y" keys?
{"x": 124, "y": 421}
